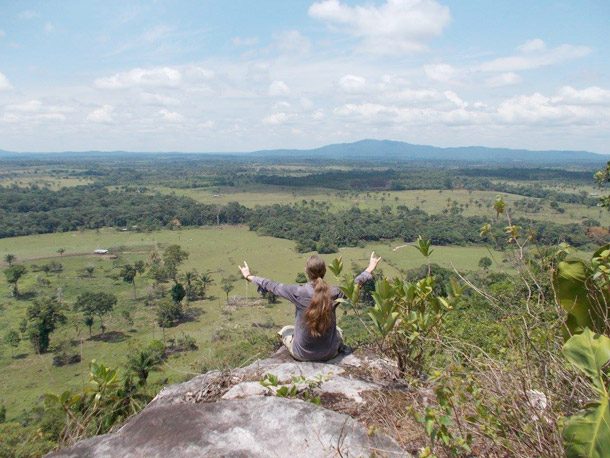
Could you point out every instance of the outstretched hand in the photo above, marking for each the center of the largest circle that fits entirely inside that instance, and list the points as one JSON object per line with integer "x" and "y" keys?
{"x": 373, "y": 262}
{"x": 245, "y": 270}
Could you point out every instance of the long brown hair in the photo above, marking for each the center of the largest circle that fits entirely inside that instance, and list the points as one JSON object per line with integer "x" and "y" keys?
{"x": 319, "y": 314}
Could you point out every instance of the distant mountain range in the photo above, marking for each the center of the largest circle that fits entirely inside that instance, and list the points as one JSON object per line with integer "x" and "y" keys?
{"x": 372, "y": 150}
{"x": 367, "y": 151}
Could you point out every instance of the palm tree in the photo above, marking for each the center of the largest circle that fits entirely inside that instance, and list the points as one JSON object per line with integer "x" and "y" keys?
{"x": 205, "y": 280}
{"x": 190, "y": 278}
{"x": 142, "y": 363}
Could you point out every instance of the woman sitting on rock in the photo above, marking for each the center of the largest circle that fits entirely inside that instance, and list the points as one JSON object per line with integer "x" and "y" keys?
{"x": 315, "y": 335}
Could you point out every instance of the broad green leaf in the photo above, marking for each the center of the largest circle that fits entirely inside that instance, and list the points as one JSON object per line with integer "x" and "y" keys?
{"x": 601, "y": 250}
{"x": 336, "y": 266}
{"x": 589, "y": 352}
{"x": 572, "y": 294}
{"x": 587, "y": 434}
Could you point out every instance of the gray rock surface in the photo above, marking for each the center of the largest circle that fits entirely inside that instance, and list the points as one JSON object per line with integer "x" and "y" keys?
{"x": 233, "y": 414}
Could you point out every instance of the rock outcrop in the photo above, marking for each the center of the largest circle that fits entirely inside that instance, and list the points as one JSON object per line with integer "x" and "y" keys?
{"x": 301, "y": 410}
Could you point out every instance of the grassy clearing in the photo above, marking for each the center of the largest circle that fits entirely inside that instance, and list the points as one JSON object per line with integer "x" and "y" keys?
{"x": 431, "y": 201}
{"x": 220, "y": 250}
{"x": 52, "y": 182}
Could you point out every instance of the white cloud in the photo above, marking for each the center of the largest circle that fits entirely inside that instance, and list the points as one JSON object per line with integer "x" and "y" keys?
{"x": 503, "y": 79}
{"x": 396, "y": 26}
{"x": 444, "y": 73}
{"x": 34, "y": 111}
{"x": 535, "y": 56}
{"x": 49, "y": 27}
{"x": 170, "y": 116}
{"x": 4, "y": 83}
{"x": 532, "y": 45}
{"x": 589, "y": 96}
{"x": 589, "y": 106}
{"x": 352, "y": 83}
{"x": 102, "y": 114}
{"x": 2, "y": 33}
{"x": 455, "y": 99}
{"x": 278, "y": 88}
{"x": 140, "y": 77}
{"x": 278, "y": 118}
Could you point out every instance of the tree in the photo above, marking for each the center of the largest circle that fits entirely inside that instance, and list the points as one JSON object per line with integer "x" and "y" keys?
{"x": 88, "y": 320}
{"x": 204, "y": 281}
{"x": 43, "y": 317}
{"x": 142, "y": 362}
{"x": 95, "y": 304}
{"x": 12, "y": 339}
{"x": 89, "y": 270}
{"x": 178, "y": 293}
{"x": 10, "y": 259}
{"x": 228, "y": 286}
{"x": 485, "y": 263}
{"x": 173, "y": 256}
{"x": 128, "y": 273}
{"x": 13, "y": 275}
{"x": 301, "y": 278}
{"x": 168, "y": 314}
{"x": 190, "y": 279}
{"x": 61, "y": 251}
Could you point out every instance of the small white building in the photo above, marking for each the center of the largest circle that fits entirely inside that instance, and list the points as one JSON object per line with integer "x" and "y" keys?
{"x": 101, "y": 251}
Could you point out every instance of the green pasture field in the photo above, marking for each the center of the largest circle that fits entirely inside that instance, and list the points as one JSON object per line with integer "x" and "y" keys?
{"x": 218, "y": 250}
{"x": 431, "y": 201}
{"x": 54, "y": 183}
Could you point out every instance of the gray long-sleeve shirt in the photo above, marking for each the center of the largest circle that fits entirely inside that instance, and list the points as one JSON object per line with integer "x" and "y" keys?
{"x": 305, "y": 346}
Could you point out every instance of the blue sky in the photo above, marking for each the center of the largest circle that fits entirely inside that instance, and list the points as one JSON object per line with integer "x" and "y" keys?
{"x": 244, "y": 75}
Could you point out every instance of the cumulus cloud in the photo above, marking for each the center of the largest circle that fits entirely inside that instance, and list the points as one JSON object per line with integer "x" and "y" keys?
{"x": 444, "y": 73}
{"x": 278, "y": 88}
{"x": 569, "y": 106}
{"x": 140, "y": 77}
{"x": 589, "y": 96}
{"x": 352, "y": 83}
{"x": 4, "y": 83}
{"x": 35, "y": 110}
{"x": 49, "y": 27}
{"x": 102, "y": 115}
{"x": 534, "y": 54}
{"x": 396, "y": 26}
{"x": 503, "y": 79}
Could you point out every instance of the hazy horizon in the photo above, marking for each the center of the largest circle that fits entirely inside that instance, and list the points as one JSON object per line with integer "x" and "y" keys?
{"x": 109, "y": 151}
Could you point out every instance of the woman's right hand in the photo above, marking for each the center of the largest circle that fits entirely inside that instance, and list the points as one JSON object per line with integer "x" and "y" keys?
{"x": 373, "y": 262}
{"x": 245, "y": 270}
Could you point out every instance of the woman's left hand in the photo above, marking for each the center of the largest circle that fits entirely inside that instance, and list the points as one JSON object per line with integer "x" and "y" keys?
{"x": 245, "y": 270}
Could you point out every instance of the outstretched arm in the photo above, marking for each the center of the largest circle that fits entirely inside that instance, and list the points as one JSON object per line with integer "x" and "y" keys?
{"x": 279, "y": 289}
{"x": 366, "y": 275}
